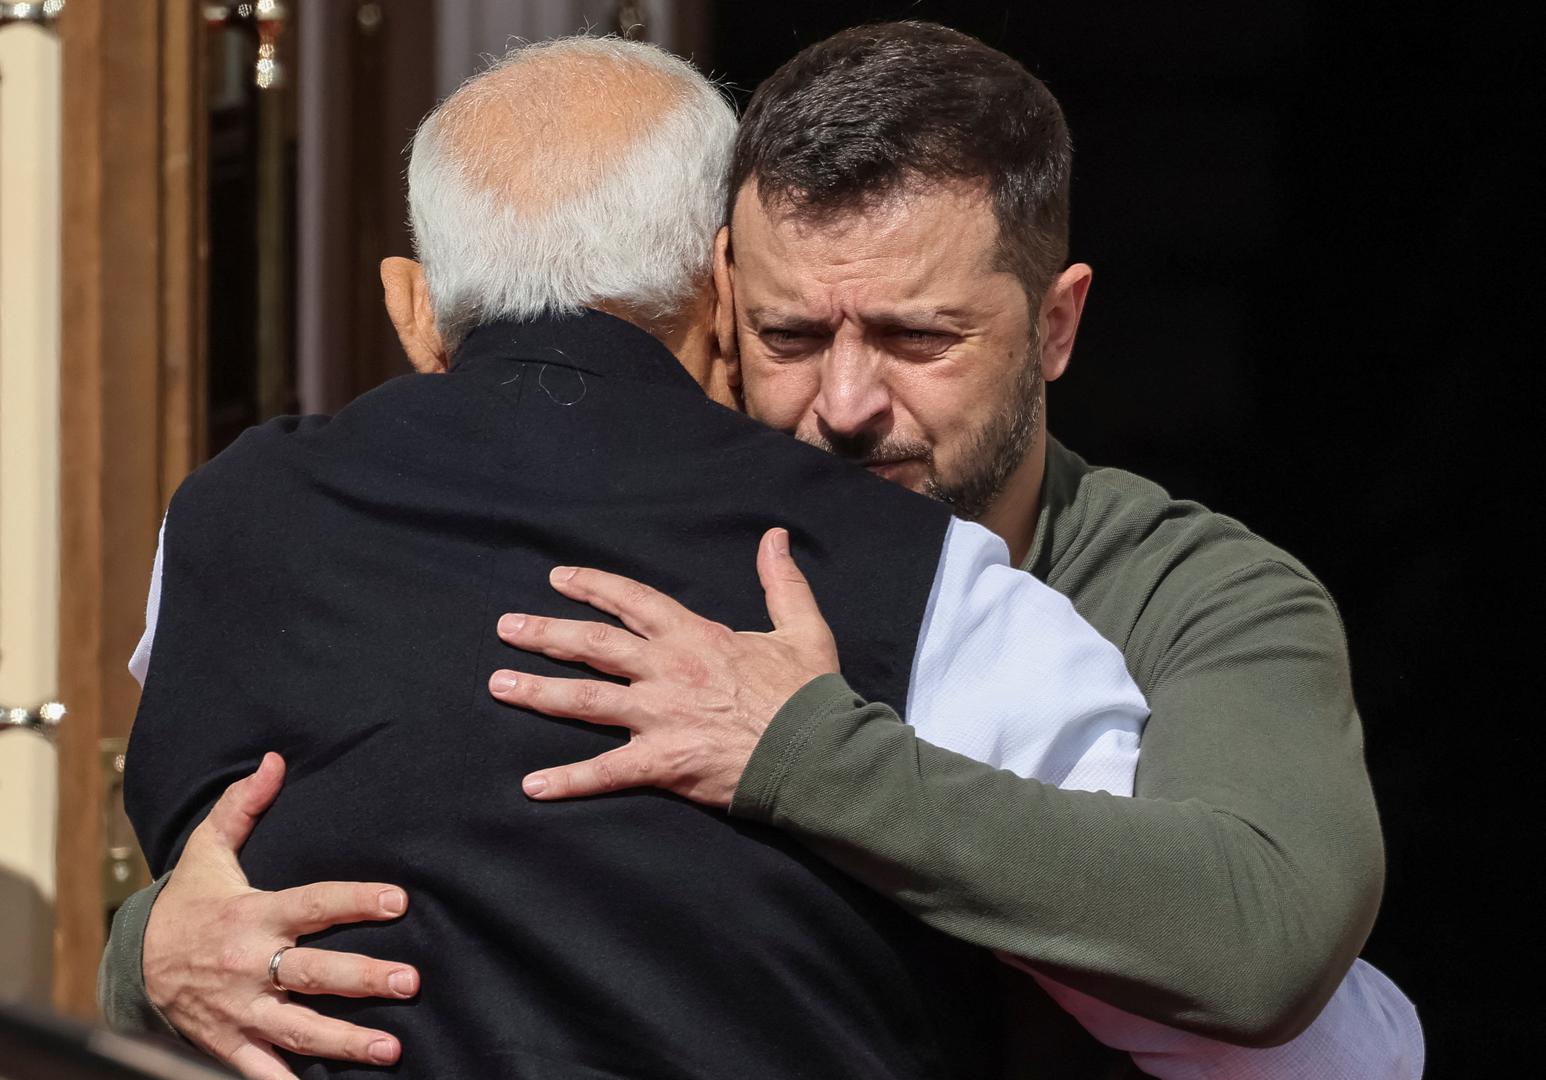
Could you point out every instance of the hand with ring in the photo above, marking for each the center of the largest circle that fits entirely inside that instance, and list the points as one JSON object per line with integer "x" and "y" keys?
{"x": 211, "y": 934}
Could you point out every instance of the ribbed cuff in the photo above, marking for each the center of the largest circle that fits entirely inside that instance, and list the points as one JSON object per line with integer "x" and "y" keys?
{"x": 786, "y": 738}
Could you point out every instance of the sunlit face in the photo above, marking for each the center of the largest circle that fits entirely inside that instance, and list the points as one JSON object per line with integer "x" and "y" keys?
{"x": 889, "y": 338}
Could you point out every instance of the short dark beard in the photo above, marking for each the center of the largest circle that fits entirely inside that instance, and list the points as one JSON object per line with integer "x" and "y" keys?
{"x": 996, "y": 449}
{"x": 993, "y": 453}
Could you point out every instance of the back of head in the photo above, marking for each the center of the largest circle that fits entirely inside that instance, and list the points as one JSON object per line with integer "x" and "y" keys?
{"x": 574, "y": 173}
{"x": 870, "y": 112}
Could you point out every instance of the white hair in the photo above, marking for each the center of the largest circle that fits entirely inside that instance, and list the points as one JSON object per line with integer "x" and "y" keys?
{"x": 631, "y": 222}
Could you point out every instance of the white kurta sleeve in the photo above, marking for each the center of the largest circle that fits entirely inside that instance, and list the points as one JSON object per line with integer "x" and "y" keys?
{"x": 139, "y": 663}
{"x": 1007, "y": 672}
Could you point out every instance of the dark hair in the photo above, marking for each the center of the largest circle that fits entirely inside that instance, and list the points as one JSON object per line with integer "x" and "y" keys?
{"x": 859, "y": 116}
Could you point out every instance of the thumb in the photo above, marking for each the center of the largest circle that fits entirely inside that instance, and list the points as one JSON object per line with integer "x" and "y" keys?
{"x": 791, "y": 604}
{"x": 231, "y": 819}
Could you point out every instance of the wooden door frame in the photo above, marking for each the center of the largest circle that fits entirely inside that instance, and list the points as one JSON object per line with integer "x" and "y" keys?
{"x": 131, "y": 413}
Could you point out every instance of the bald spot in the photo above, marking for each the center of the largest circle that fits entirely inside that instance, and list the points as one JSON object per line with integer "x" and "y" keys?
{"x": 547, "y": 128}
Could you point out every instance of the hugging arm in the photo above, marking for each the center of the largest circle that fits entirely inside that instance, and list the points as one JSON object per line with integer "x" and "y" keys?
{"x": 188, "y": 956}
{"x": 1228, "y": 898}
{"x": 1002, "y": 860}
{"x": 1132, "y": 904}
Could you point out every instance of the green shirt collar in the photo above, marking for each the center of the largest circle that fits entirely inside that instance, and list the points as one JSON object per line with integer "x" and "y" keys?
{"x": 1055, "y": 520}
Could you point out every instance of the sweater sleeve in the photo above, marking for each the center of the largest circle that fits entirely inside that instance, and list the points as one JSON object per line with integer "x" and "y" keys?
{"x": 121, "y": 995}
{"x": 1228, "y": 898}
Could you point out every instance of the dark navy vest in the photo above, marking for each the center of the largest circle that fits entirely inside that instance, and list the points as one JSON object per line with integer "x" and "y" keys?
{"x": 330, "y": 591}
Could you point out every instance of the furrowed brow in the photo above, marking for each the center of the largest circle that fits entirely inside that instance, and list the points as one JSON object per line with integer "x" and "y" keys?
{"x": 917, "y": 316}
{"x": 761, "y": 317}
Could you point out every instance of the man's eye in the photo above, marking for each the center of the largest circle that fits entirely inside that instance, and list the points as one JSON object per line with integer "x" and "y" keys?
{"x": 918, "y": 340}
{"x": 779, "y": 338}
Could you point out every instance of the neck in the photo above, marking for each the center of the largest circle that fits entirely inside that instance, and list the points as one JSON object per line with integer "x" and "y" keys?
{"x": 696, "y": 352}
{"x": 1013, "y": 516}
{"x": 690, "y": 337}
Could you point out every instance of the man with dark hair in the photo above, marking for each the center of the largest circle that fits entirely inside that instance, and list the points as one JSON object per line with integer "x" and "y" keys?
{"x": 898, "y": 248}
{"x": 853, "y": 119}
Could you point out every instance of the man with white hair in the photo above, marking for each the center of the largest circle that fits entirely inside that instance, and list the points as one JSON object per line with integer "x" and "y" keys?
{"x": 551, "y": 232}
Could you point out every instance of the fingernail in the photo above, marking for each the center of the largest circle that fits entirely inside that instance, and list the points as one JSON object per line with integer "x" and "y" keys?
{"x": 401, "y": 983}
{"x": 781, "y": 542}
{"x": 382, "y": 1050}
{"x": 511, "y": 624}
{"x": 534, "y": 785}
{"x": 503, "y": 681}
{"x": 563, "y": 573}
{"x": 393, "y": 902}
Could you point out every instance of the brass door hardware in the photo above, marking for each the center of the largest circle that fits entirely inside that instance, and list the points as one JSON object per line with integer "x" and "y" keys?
{"x": 45, "y": 719}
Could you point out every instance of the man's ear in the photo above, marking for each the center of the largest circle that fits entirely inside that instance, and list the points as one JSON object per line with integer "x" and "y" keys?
{"x": 407, "y": 303}
{"x": 724, "y": 309}
{"x": 1061, "y": 309}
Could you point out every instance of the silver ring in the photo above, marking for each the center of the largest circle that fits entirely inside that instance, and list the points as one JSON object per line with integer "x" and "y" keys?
{"x": 273, "y": 968}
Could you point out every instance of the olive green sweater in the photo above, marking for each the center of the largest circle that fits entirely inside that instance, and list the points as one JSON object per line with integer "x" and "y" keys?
{"x": 1232, "y": 894}
{"x": 1229, "y": 897}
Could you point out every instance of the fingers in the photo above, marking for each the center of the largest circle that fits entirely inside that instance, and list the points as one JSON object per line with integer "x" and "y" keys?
{"x": 231, "y": 819}
{"x": 577, "y": 699}
{"x": 626, "y": 767}
{"x": 309, "y": 909}
{"x": 603, "y": 647}
{"x": 320, "y": 971}
{"x": 791, "y": 604}
{"x": 299, "y": 1030}
{"x": 259, "y": 1063}
{"x": 644, "y": 610}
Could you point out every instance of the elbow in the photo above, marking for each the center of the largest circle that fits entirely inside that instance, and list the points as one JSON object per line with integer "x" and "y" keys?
{"x": 1285, "y": 986}
{"x": 1274, "y": 996}
{"x": 1317, "y": 923}
{"x": 1276, "y": 1016}
{"x": 1284, "y": 980}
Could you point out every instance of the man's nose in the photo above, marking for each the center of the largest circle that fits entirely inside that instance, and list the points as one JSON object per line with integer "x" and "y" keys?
{"x": 854, "y": 397}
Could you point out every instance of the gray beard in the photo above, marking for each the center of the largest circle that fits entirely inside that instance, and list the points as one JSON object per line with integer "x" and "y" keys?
{"x": 993, "y": 453}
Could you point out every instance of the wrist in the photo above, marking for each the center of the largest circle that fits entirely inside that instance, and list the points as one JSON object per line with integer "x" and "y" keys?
{"x": 152, "y": 973}
{"x": 785, "y": 737}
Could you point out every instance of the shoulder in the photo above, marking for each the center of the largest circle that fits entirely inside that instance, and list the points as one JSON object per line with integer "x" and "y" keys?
{"x": 395, "y": 420}
{"x": 256, "y": 456}
{"x": 1149, "y": 570}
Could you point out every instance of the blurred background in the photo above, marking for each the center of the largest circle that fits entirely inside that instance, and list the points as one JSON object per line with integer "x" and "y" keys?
{"x": 1311, "y": 228}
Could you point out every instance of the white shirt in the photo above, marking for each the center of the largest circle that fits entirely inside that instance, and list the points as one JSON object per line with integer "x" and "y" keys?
{"x": 1007, "y": 672}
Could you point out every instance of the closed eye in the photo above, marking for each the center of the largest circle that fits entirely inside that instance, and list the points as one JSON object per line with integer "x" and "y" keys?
{"x": 921, "y": 342}
{"x": 788, "y": 340}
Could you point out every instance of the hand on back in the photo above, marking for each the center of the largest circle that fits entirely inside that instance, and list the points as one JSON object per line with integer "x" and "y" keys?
{"x": 211, "y": 937}
{"x": 699, "y": 695}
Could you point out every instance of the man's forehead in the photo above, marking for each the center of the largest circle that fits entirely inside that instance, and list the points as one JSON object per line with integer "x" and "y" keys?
{"x": 914, "y": 190}
{"x": 953, "y": 221}
{"x": 914, "y": 249}
{"x": 884, "y": 311}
